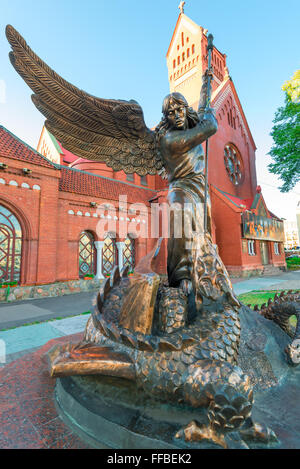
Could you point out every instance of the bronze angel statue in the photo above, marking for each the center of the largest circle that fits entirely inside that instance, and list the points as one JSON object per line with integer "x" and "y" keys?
{"x": 114, "y": 132}
{"x": 142, "y": 329}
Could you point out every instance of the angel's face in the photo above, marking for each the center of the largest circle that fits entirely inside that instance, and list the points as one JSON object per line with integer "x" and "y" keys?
{"x": 176, "y": 116}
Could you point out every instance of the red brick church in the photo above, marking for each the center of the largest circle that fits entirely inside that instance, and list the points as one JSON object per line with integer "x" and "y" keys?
{"x": 49, "y": 220}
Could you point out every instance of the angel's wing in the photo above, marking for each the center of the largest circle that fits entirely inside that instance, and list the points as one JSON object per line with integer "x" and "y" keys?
{"x": 112, "y": 131}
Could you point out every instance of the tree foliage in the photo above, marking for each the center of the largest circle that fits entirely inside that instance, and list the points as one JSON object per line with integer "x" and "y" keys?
{"x": 285, "y": 151}
{"x": 292, "y": 87}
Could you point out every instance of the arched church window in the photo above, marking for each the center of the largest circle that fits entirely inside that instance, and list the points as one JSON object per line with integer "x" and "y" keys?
{"x": 129, "y": 253}
{"x": 233, "y": 164}
{"x": 188, "y": 52}
{"x": 10, "y": 246}
{"x": 193, "y": 48}
{"x": 87, "y": 254}
{"x": 109, "y": 255}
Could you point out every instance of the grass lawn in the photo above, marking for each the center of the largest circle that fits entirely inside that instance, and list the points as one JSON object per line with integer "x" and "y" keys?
{"x": 293, "y": 263}
{"x": 258, "y": 297}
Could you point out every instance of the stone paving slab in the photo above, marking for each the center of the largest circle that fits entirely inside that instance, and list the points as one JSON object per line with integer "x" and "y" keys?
{"x": 28, "y": 337}
{"x": 71, "y": 325}
{"x": 288, "y": 285}
{"x": 5, "y": 360}
{"x": 29, "y": 418}
{"x": 288, "y": 280}
{"x": 23, "y": 311}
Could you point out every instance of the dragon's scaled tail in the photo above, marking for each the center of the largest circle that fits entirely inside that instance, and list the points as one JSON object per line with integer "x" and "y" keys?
{"x": 228, "y": 393}
{"x": 280, "y": 310}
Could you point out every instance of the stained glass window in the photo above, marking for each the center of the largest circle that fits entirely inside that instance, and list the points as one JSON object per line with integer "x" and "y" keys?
{"x": 109, "y": 256}
{"x": 86, "y": 254}
{"x": 129, "y": 253}
{"x": 10, "y": 246}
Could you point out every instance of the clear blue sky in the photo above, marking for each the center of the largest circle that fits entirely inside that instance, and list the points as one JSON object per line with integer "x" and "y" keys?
{"x": 117, "y": 48}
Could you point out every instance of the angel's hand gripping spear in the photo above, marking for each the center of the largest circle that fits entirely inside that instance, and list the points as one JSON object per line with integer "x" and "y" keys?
{"x": 209, "y": 78}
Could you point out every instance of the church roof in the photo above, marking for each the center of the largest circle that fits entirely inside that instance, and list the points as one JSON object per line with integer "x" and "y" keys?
{"x": 13, "y": 147}
{"x": 187, "y": 20}
{"x": 218, "y": 95}
{"x": 246, "y": 204}
{"x": 236, "y": 201}
{"x": 82, "y": 182}
{"x": 68, "y": 156}
{"x": 73, "y": 180}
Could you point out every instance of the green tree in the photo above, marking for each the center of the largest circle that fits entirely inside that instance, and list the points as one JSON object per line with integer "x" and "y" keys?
{"x": 285, "y": 151}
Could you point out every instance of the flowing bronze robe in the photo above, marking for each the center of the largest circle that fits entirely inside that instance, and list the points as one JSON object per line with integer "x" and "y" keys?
{"x": 183, "y": 158}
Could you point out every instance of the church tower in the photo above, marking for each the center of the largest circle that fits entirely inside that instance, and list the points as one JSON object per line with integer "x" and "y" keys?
{"x": 236, "y": 200}
{"x": 187, "y": 61}
{"x": 232, "y": 150}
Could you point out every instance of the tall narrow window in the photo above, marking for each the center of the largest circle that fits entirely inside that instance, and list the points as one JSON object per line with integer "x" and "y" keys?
{"x": 129, "y": 253}
{"x": 193, "y": 48}
{"x": 10, "y": 246}
{"x": 87, "y": 254}
{"x": 251, "y": 247}
{"x": 182, "y": 39}
{"x": 109, "y": 255}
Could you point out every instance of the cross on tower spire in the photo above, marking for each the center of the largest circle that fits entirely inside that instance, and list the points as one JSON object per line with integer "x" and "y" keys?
{"x": 181, "y": 6}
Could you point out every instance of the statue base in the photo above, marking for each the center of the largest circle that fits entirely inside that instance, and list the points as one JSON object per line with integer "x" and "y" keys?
{"x": 111, "y": 412}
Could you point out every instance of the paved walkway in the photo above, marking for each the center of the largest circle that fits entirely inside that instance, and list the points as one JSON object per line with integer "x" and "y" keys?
{"x": 284, "y": 281}
{"x": 15, "y": 342}
{"x": 23, "y": 312}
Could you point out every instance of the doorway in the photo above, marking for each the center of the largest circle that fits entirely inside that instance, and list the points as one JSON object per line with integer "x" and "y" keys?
{"x": 264, "y": 251}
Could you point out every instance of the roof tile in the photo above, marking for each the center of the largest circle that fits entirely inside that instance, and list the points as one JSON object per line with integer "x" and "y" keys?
{"x": 82, "y": 182}
{"x": 12, "y": 147}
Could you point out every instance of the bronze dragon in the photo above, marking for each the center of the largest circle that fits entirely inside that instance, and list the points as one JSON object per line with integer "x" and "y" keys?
{"x": 185, "y": 356}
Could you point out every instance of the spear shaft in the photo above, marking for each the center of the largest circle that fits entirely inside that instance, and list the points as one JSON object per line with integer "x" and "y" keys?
{"x": 208, "y": 96}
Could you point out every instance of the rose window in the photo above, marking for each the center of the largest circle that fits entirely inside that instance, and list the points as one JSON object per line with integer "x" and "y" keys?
{"x": 233, "y": 164}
